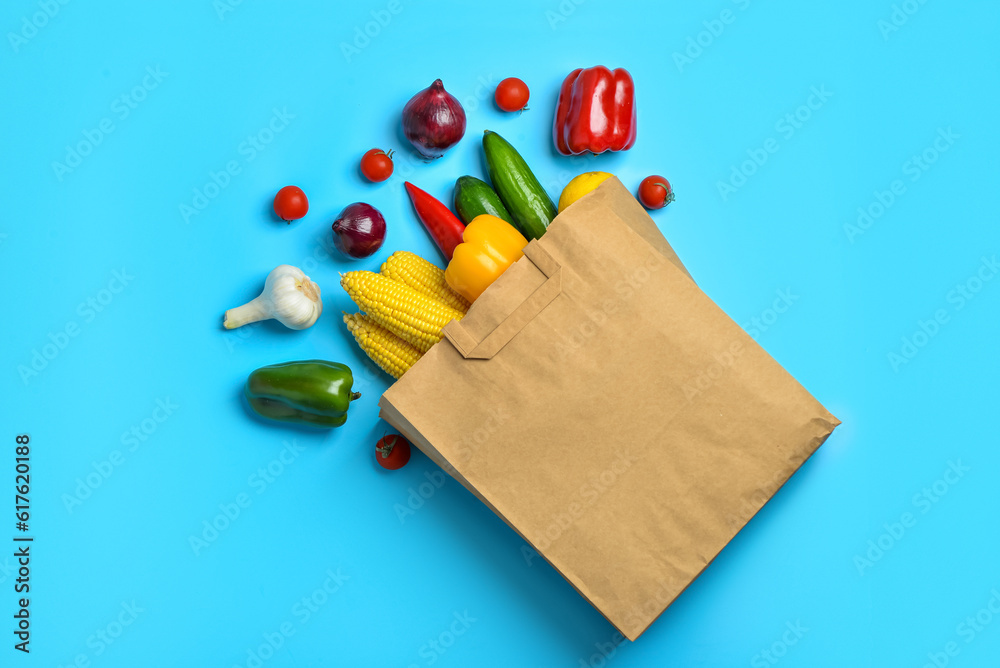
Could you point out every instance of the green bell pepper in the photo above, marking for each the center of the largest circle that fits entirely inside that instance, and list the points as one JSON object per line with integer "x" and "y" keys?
{"x": 311, "y": 392}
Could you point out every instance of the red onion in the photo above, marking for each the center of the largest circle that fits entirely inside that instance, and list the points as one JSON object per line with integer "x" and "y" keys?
{"x": 433, "y": 121}
{"x": 359, "y": 230}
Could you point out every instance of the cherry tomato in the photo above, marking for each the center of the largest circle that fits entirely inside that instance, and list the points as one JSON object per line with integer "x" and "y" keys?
{"x": 655, "y": 192}
{"x": 376, "y": 165}
{"x": 512, "y": 95}
{"x": 290, "y": 203}
{"x": 392, "y": 452}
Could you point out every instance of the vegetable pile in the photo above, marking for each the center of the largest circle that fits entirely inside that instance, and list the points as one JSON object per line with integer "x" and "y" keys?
{"x": 404, "y": 307}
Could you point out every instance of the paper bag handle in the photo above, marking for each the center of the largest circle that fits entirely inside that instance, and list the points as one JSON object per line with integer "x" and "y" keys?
{"x": 466, "y": 343}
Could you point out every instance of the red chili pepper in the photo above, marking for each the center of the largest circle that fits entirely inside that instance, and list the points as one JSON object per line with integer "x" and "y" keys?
{"x": 595, "y": 112}
{"x": 444, "y": 227}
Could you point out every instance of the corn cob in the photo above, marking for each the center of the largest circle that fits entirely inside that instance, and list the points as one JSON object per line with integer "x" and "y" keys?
{"x": 394, "y": 355}
{"x": 413, "y": 317}
{"x": 424, "y": 277}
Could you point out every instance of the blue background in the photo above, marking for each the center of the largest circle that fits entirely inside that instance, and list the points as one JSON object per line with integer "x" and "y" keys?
{"x": 801, "y": 563}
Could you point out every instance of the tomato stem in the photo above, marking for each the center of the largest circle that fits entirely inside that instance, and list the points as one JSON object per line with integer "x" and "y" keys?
{"x": 386, "y": 449}
{"x": 669, "y": 193}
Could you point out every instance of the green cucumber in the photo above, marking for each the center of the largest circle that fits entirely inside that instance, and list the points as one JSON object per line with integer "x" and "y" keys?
{"x": 474, "y": 197}
{"x": 520, "y": 191}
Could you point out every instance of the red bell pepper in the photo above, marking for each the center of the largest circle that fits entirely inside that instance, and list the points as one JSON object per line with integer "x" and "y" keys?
{"x": 445, "y": 228}
{"x": 595, "y": 112}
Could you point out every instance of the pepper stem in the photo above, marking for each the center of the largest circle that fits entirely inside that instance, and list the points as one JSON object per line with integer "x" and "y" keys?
{"x": 252, "y": 311}
{"x": 355, "y": 396}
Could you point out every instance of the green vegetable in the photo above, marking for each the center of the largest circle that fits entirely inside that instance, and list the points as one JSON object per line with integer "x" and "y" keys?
{"x": 518, "y": 188}
{"x": 474, "y": 197}
{"x": 312, "y": 392}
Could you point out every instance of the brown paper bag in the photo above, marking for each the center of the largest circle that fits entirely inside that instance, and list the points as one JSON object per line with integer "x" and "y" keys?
{"x": 603, "y": 406}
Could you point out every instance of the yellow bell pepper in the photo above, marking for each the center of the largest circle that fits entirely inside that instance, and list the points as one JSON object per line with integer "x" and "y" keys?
{"x": 489, "y": 245}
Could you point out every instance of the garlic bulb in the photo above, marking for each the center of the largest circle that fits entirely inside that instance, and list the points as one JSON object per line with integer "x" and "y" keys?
{"x": 289, "y": 297}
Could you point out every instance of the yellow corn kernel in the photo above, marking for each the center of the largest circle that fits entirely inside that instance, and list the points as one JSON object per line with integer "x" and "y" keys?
{"x": 413, "y": 317}
{"x": 424, "y": 277}
{"x": 393, "y": 355}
